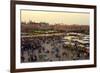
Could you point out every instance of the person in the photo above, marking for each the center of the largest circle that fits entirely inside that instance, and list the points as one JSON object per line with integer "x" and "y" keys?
{"x": 22, "y": 59}
{"x": 26, "y": 56}
{"x": 33, "y": 58}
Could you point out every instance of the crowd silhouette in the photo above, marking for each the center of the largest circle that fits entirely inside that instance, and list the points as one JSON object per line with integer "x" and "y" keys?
{"x": 50, "y": 48}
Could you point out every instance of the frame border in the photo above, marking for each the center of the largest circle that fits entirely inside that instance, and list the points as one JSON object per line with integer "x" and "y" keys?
{"x": 13, "y": 35}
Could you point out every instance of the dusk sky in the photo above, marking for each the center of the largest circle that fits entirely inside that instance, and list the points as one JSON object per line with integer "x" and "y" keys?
{"x": 55, "y": 17}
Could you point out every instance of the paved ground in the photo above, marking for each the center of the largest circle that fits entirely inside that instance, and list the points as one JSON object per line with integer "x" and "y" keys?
{"x": 51, "y": 49}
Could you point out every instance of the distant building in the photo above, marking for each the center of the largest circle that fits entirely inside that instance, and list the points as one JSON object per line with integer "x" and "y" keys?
{"x": 70, "y": 27}
{"x": 27, "y": 27}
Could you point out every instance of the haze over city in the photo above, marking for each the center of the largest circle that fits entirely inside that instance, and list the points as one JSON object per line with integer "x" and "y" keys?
{"x": 55, "y": 17}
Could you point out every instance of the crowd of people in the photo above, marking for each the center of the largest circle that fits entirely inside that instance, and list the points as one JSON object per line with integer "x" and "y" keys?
{"x": 49, "y": 48}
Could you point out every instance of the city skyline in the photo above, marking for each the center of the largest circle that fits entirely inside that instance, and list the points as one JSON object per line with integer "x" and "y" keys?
{"x": 67, "y": 18}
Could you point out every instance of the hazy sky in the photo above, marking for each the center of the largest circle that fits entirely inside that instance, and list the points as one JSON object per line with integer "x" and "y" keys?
{"x": 55, "y": 17}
